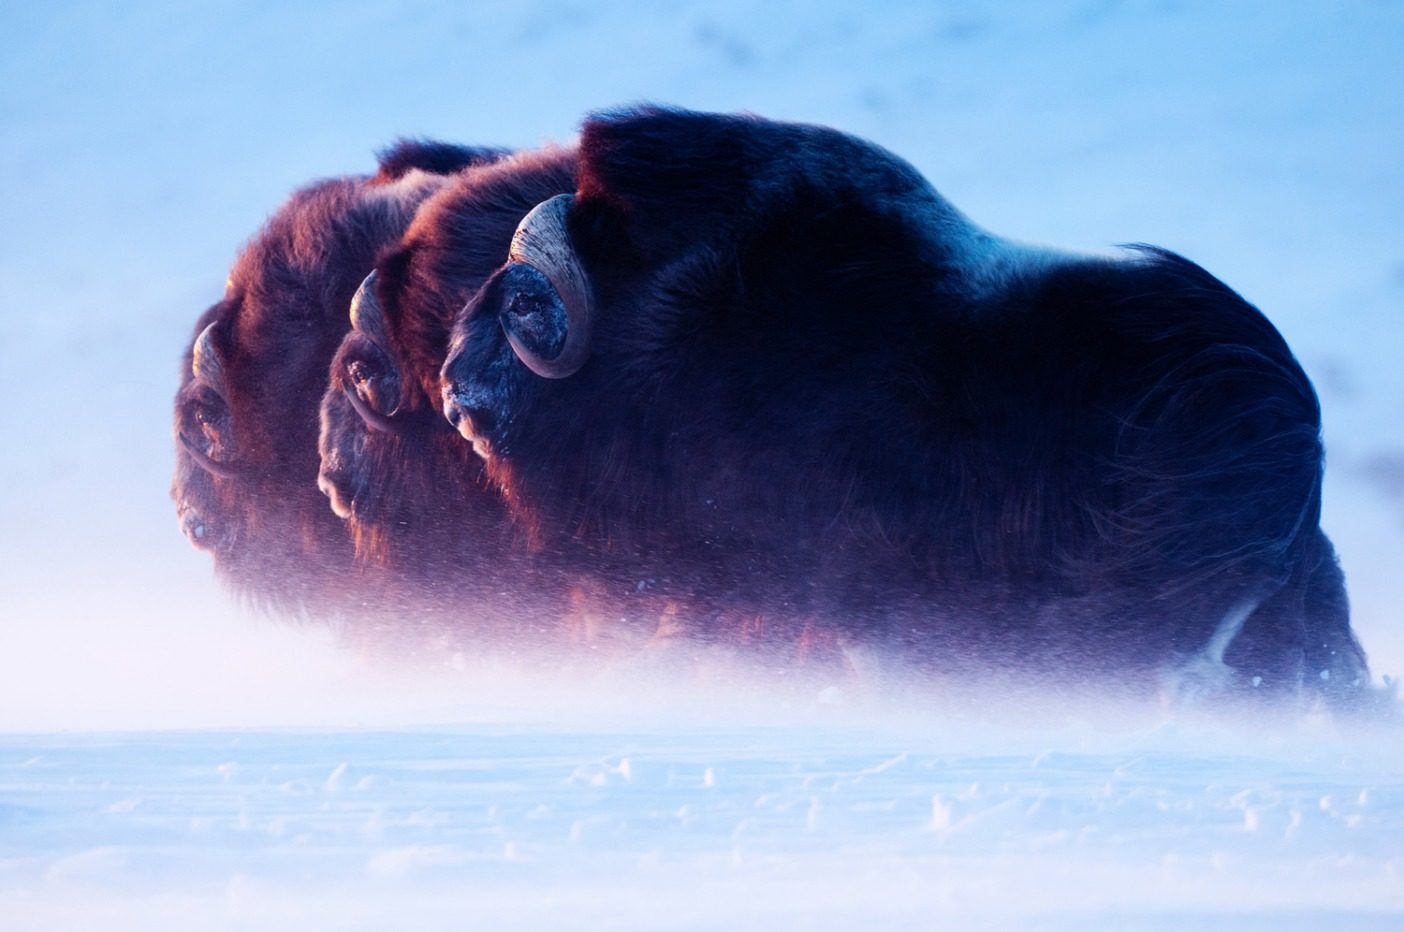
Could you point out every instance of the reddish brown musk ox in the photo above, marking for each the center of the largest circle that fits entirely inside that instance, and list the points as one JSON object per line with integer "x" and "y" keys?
{"x": 414, "y": 496}
{"x": 771, "y": 361}
{"x": 246, "y": 411}
{"x": 416, "y": 499}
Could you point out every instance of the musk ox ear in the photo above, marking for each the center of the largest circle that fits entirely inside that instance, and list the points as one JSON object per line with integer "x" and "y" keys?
{"x": 428, "y": 155}
{"x": 368, "y": 373}
{"x": 546, "y": 308}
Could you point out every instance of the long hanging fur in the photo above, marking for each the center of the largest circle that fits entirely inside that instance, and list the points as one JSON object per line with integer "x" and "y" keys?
{"x": 283, "y": 313}
{"x": 817, "y": 388}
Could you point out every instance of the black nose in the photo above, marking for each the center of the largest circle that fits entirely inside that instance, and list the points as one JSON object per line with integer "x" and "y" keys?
{"x": 335, "y": 488}
{"x": 466, "y": 410}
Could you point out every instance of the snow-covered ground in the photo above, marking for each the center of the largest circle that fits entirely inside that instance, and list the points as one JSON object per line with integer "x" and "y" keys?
{"x": 141, "y": 143}
{"x": 695, "y": 828}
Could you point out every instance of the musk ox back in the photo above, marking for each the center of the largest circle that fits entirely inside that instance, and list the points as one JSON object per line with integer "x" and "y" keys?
{"x": 246, "y": 410}
{"x": 769, "y": 360}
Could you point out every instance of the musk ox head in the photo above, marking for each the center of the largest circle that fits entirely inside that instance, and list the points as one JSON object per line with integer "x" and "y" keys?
{"x": 772, "y": 355}
{"x": 246, "y": 410}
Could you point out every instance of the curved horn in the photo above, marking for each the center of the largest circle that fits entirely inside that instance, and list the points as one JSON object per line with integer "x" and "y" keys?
{"x": 206, "y": 365}
{"x": 214, "y": 466}
{"x": 367, "y": 317}
{"x": 207, "y": 368}
{"x": 372, "y": 417}
{"x": 543, "y": 242}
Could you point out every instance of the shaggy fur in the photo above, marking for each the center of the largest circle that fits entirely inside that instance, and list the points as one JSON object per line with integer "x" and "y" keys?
{"x": 281, "y": 318}
{"x": 416, "y": 498}
{"x": 819, "y": 391}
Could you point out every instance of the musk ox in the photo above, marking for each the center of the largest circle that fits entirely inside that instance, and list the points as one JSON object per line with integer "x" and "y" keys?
{"x": 414, "y": 496}
{"x": 771, "y": 362}
{"x": 246, "y": 410}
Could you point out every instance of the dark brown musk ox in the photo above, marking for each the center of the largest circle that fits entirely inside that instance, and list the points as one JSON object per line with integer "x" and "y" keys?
{"x": 771, "y": 362}
{"x": 246, "y": 411}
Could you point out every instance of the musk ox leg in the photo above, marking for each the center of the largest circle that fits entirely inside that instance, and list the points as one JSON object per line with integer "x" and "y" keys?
{"x": 1335, "y": 667}
{"x": 1268, "y": 655}
{"x": 1300, "y": 643}
{"x": 671, "y": 637}
{"x": 1205, "y": 675}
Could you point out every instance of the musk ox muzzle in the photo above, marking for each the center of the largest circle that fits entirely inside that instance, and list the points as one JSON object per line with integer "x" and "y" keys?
{"x": 542, "y": 307}
{"x": 473, "y": 408}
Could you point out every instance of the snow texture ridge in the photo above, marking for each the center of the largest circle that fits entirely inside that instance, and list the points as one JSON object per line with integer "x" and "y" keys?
{"x": 824, "y": 828}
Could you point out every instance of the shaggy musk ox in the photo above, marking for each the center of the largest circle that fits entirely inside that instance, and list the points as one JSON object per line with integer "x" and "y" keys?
{"x": 770, "y": 361}
{"x": 416, "y": 498}
{"x": 246, "y": 411}
{"x": 412, "y": 493}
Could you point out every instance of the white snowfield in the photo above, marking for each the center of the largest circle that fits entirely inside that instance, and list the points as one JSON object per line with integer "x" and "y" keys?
{"x": 169, "y": 761}
{"x": 815, "y": 827}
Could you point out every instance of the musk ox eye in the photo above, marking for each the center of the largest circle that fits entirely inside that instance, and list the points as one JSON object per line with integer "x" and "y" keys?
{"x": 207, "y": 418}
{"x": 527, "y": 305}
{"x": 206, "y": 434}
{"x": 372, "y": 386}
{"x": 552, "y": 335}
{"x": 376, "y": 383}
{"x": 532, "y": 315}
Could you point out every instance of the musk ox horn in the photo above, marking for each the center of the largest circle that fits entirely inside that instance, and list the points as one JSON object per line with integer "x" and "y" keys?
{"x": 367, "y": 317}
{"x": 542, "y": 241}
{"x": 207, "y": 368}
{"x": 206, "y": 365}
{"x": 209, "y": 463}
{"x": 373, "y": 418}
